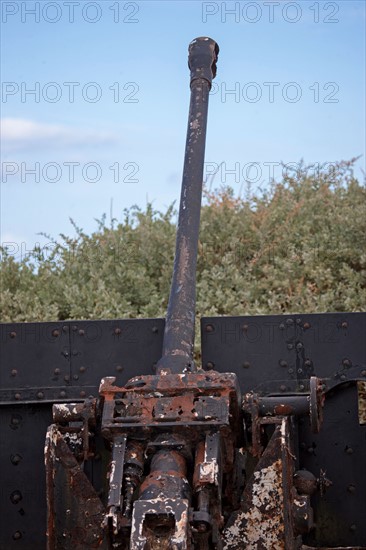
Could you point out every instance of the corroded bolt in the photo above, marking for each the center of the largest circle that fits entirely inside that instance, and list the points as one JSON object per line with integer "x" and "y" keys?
{"x": 209, "y": 328}
{"x": 301, "y": 387}
{"x": 14, "y": 372}
{"x": 209, "y": 365}
{"x": 81, "y": 332}
{"x": 13, "y": 334}
{"x": 308, "y": 362}
{"x": 55, "y": 333}
{"x": 119, "y": 368}
{"x": 117, "y": 330}
{"x": 306, "y": 326}
{"x": 40, "y": 395}
{"x": 344, "y": 324}
{"x": 57, "y": 371}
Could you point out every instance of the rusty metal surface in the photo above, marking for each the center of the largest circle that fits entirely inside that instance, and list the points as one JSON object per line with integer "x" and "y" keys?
{"x": 361, "y": 390}
{"x": 75, "y": 512}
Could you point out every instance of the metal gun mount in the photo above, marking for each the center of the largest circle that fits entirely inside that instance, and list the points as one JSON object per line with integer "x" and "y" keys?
{"x": 229, "y": 456}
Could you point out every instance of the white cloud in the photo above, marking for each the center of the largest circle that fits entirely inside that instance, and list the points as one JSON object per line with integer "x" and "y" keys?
{"x": 19, "y": 134}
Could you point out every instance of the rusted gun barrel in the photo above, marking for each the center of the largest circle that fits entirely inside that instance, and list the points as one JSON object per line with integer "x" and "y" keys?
{"x": 177, "y": 356}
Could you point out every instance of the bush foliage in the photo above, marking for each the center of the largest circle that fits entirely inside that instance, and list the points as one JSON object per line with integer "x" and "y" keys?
{"x": 298, "y": 246}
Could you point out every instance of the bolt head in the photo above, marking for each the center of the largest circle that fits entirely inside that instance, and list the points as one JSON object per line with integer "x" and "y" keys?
{"x": 209, "y": 328}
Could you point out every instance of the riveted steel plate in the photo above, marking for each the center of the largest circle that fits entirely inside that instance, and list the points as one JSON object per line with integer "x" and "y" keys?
{"x": 279, "y": 353}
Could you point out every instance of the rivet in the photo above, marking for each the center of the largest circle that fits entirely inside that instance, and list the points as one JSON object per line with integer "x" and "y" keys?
{"x": 344, "y": 324}
{"x": 65, "y": 328}
{"x": 301, "y": 387}
{"x": 17, "y": 535}
{"x": 74, "y": 328}
{"x": 209, "y": 365}
{"x": 363, "y": 373}
{"x": 119, "y": 368}
{"x": 347, "y": 362}
{"x": 349, "y": 450}
{"x": 342, "y": 377}
{"x": 298, "y": 321}
{"x": 14, "y": 372}
{"x": 299, "y": 371}
{"x": 17, "y": 396}
{"x": 15, "y": 459}
{"x": 40, "y": 395}
{"x": 282, "y": 326}
{"x": 283, "y": 363}
{"x": 76, "y": 377}
{"x": 245, "y": 328}
{"x": 290, "y": 346}
{"x": 245, "y": 365}
{"x": 299, "y": 346}
{"x": 290, "y": 371}
{"x": 81, "y": 332}
{"x": 306, "y": 326}
{"x": 308, "y": 362}
{"x": 155, "y": 330}
{"x": 283, "y": 387}
{"x": 55, "y": 333}
{"x": 62, "y": 393}
{"x": 289, "y": 322}
{"x": 351, "y": 488}
{"x": 13, "y": 334}
{"x": 352, "y": 527}
{"x": 67, "y": 378}
{"x": 311, "y": 450}
{"x": 209, "y": 328}
{"x": 15, "y": 420}
{"x": 75, "y": 352}
{"x": 82, "y": 369}
{"x": 15, "y": 497}
{"x": 117, "y": 330}
{"x": 82, "y": 394}
{"x": 57, "y": 371}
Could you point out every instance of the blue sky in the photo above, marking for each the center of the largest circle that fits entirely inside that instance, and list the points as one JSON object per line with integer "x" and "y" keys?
{"x": 107, "y": 118}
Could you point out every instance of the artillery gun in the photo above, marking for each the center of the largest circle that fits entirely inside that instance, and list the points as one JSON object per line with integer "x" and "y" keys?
{"x": 112, "y": 436}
